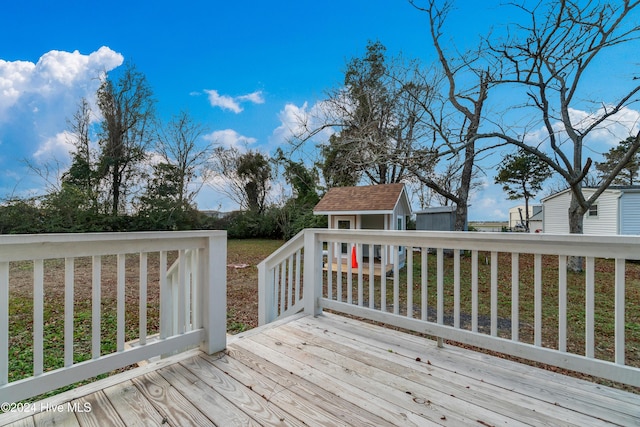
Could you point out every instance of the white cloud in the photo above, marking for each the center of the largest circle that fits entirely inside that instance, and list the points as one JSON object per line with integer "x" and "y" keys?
{"x": 255, "y": 97}
{"x": 14, "y": 80}
{"x": 56, "y": 74}
{"x": 610, "y": 132}
{"x": 227, "y": 102}
{"x": 300, "y": 122}
{"x": 37, "y": 99}
{"x": 57, "y": 147}
{"x": 613, "y": 130}
{"x": 229, "y": 138}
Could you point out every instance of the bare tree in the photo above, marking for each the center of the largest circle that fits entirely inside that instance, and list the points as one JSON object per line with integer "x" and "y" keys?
{"x": 127, "y": 108}
{"x": 177, "y": 143}
{"x": 457, "y": 114}
{"x": 550, "y": 58}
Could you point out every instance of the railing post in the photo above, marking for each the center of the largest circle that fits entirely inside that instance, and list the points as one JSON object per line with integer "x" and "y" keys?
{"x": 214, "y": 294}
{"x": 312, "y": 281}
{"x": 265, "y": 295}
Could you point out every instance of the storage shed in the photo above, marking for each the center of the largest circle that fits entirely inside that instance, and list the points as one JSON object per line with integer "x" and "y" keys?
{"x": 617, "y": 211}
{"x": 441, "y": 218}
{"x": 372, "y": 207}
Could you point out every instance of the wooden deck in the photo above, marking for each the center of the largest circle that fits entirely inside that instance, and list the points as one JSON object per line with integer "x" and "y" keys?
{"x": 332, "y": 370}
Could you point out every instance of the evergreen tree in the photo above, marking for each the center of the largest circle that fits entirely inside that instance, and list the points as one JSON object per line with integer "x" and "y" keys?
{"x": 521, "y": 176}
{"x": 629, "y": 173}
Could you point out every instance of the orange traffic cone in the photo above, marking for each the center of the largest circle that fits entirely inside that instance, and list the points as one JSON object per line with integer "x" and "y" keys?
{"x": 354, "y": 258}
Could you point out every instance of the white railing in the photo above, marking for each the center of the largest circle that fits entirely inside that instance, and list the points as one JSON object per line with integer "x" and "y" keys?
{"x": 192, "y": 299}
{"x": 280, "y": 282}
{"x": 505, "y": 292}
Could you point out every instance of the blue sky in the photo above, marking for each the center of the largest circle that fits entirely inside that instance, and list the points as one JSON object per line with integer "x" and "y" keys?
{"x": 243, "y": 68}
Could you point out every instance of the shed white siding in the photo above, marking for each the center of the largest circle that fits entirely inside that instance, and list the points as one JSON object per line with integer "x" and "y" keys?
{"x": 606, "y": 222}
{"x": 556, "y": 214}
{"x": 618, "y": 212}
{"x": 630, "y": 213}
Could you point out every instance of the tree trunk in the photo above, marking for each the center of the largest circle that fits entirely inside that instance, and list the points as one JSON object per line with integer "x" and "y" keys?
{"x": 576, "y": 226}
{"x": 461, "y": 217}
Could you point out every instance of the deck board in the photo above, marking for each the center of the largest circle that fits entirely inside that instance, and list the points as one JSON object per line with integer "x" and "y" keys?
{"x": 332, "y": 370}
{"x": 132, "y": 405}
{"x": 555, "y": 389}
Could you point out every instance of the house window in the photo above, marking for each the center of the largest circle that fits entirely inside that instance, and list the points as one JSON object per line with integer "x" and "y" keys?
{"x": 593, "y": 211}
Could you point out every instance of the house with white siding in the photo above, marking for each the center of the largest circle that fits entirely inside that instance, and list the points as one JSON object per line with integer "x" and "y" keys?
{"x": 617, "y": 211}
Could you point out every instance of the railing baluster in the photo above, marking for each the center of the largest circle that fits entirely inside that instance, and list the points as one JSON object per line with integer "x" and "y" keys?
{"x": 537, "y": 299}
{"x": 290, "y": 283}
{"x": 372, "y": 277}
{"x": 283, "y": 286}
{"x": 68, "y": 311}
{"x": 360, "y": 275}
{"x": 38, "y": 316}
{"x": 182, "y": 279}
{"x": 166, "y": 294}
{"x": 350, "y": 276}
{"x": 590, "y": 308}
{"x": 195, "y": 289}
{"x": 424, "y": 280}
{"x": 4, "y": 323}
{"x": 494, "y": 293}
{"x": 619, "y": 311}
{"x": 456, "y": 288}
{"x": 396, "y": 280}
{"x": 440, "y": 286}
{"x": 276, "y": 290}
{"x": 120, "y": 303}
{"x": 474, "y": 291}
{"x": 383, "y": 279}
{"x": 298, "y": 274}
{"x": 142, "y": 314}
{"x": 515, "y": 296}
{"x": 95, "y": 305}
{"x": 409, "y": 281}
{"x": 329, "y": 271}
{"x": 339, "y": 272}
{"x": 562, "y": 303}
{"x": 188, "y": 288}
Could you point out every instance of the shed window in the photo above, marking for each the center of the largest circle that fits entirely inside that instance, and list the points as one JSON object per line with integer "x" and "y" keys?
{"x": 593, "y": 210}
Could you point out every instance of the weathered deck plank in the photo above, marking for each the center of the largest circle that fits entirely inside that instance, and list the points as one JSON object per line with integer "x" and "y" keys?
{"x": 132, "y": 405}
{"x": 244, "y": 397}
{"x": 332, "y": 370}
{"x": 204, "y": 397}
{"x": 173, "y": 406}
{"x": 95, "y": 410}
{"x": 308, "y": 401}
{"x": 430, "y": 404}
{"x": 556, "y": 390}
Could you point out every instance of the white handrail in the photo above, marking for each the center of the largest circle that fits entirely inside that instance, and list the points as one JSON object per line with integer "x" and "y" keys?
{"x": 203, "y": 316}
